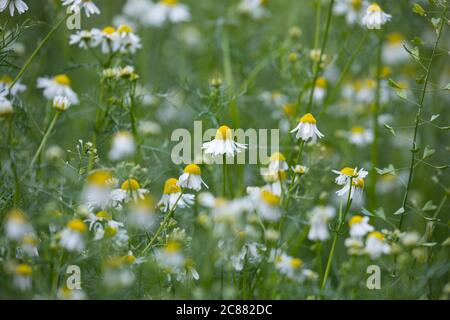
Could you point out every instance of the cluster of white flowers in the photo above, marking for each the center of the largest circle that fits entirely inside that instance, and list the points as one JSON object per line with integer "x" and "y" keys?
{"x": 360, "y": 11}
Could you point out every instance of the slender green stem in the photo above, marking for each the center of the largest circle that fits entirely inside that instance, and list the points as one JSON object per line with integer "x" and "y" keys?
{"x": 162, "y": 225}
{"x": 224, "y": 176}
{"x": 418, "y": 115}
{"x": 228, "y": 74}
{"x": 44, "y": 140}
{"x": 13, "y": 162}
{"x": 341, "y": 221}
{"x": 36, "y": 51}
{"x": 322, "y": 49}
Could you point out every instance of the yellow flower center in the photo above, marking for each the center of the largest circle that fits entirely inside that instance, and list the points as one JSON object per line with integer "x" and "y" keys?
{"x": 357, "y": 130}
{"x": 376, "y": 234}
{"x": 348, "y": 171}
{"x": 16, "y": 215}
{"x": 224, "y": 133}
{"x": 354, "y": 220}
{"x": 99, "y": 177}
{"x": 308, "y": 118}
{"x": 296, "y": 263}
{"x": 374, "y": 7}
{"x": 395, "y": 38}
{"x": 370, "y": 83}
{"x": 110, "y": 231}
{"x": 130, "y": 259}
{"x": 359, "y": 183}
{"x": 6, "y": 79}
{"x": 289, "y": 109}
{"x": 170, "y": 186}
{"x": 109, "y": 30}
{"x": 124, "y": 29}
{"x": 62, "y": 79}
{"x": 103, "y": 215}
{"x": 321, "y": 82}
{"x": 172, "y": 247}
{"x": 29, "y": 240}
{"x": 77, "y": 225}
{"x": 386, "y": 71}
{"x": 277, "y": 156}
{"x": 146, "y": 202}
{"x": 130, "y": 185}
{"x": 192, "y": 169}
{"x": 169, "y": 2}
{"x": 24, "y": 270}
{"x": 356, "y": 4}
{"x": 270, "y": 198}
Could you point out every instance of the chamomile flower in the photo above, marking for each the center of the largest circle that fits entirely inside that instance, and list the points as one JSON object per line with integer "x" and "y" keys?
{"x": 112, "y": 230}
{"x": 347, "y": 173}
{"x": 320, "y": 216}
{"x": 273, "y": 98}
{"x": 84, "y": 38}
{"x": 359, "y": 226}
{"x": 96, "y": 194}
{"x": 173, "y": 197}
{"x": 88, "y": 6}
{"x": 300, "y": 170}
{"x": 16, "y": 225}
{"x": 393, "y": 50}
{"x": 167, "y": 11}
{"x": 61, "y": 103}
{"x": 20, "y": 5}
{"x": 107, "y": 39}
{"x": 274, "y": 179}
{"x": 266, "y": 204}
{"x": 125, "y": 40}
{"x": 307, "y": 128}
{"x": 129, "y": 190}
{"x": 256, "y": 9}
{"x": 277, "y": 162}
{"x": 376, "y": 245}
{"x": 351, "y": 9}
{"x": 22, "y": 277}
{"x": 410, "y": 239}
{"x": 141, "y": 214}
{"x": 72, "y": 237}
{"x": 123, "y": 146}
{"x": 359, "y": 136}
{"x": 191, "y": 178}
{"x": 288, "y": 265}
{"x": 355, "y": 246}
{"x": 29, "y": 245}
{"x": 223, "y": 143}
{"x": 171, "y": 256}
{"x": 71, "y": 294}
{"x": 5, "y": 86}
{"x": 375, "y": 17}
{"x": 6, "y": 107}
{"x": 356, "y": 190}
{"x": 320, "y": 90}
{"x": 59, "y": 85}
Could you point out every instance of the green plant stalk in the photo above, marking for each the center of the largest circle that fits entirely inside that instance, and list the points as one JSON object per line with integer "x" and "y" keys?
{"x": 341, "y": 220}
{"x": 224, "y": 175}
{"x": 36, "y": 51}
{"x": 44, "y": 140}
{"x": 418, "y": 115}
{"x": 375, "y": 112}
{"x": 13, "y": 163}
{"x": 162, "y": 225}
{"x": 228, "y": 74}
{"x": 322, "y": 49}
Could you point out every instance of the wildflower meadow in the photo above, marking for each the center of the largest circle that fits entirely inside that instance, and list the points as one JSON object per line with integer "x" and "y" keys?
{"x": 232, "y": 149}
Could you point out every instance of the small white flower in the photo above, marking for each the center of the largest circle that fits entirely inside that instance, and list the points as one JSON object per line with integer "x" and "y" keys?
{"x": 166, "y": 11}
{"x": 191, "y": 178}
{"x": 129, "y": 190}
{"x": 61, "y": 103}
{"x": 223, "y": 143}
{"x": 173, "y": 197}
{"x": 59, "y": 85}
{"x": 142, "y": 213}
{"x": 16, "y": 225}
{"x": 256, "y": 9}
{"x": 375, "y": 17}
{"x": 266, "y": 204}
{"x": 84, "y": 39}
{"x": 5, "y": 86}
{"x": 125, "y": 40}
{"x": 72, "y": 237}
{"x": 76, "y": 6}
{"x": 356, "y": 190}
{"x": 289, "y": 266}
{"x": 277, "y": 162}
{"x": 347, "y": 173}
{"x": 20, "y": 5}
{"x": 410, "y": 239}
{"x": 393, "y": 50}
{"x": 376, "y": 245}
{"x": 307, "y": 129}
{"x": 320, "y": 216}
{"x": 22, "y": 277}
{"x": 123, "y": 146}
{"x": 360, "y": 136}
{"x": 320, "y": 89}
{"x": 351, "y": 9}
{"x": 6, "y": 107}
{"x": 170, "y": 256}
{"x": 96, "y": 194}
{"x": 29, "y": 245}
{"x": 359, "y": 226}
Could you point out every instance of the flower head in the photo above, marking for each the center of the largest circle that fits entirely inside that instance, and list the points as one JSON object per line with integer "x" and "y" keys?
{"x": 223, "y": 143}
{"x": 307, "y": 129}
{"x": 375, "y": 17}
{"x": 191, "y": 178}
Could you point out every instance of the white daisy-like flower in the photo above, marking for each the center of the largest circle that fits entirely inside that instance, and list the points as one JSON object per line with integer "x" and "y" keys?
{"x": 191, "y": 178}
{"x": 307, "y": 128}
{"x": 59, "y": 85}
{"x": 61, "y": 103}
{"x": 375, "y": 17}
{"x": 393, "y": 50}
{"x": 266, "y": 204}
{"x": 359, "y": 136}
{"x": 320, "y": 216}
{"x": 223, "y": 143}
{"x": 274, "y": 98}
{"x": 113, "y": 230}
{"x": 300, "y": 170}
{"x": 16, "y": 225}
{"x": 288, "y": 265}
{"x": 20, "y": 5}
{"x": 376, "y": 245}
{"x": 96, "y": 193}
{"x": 353, "y": 10}
{"x": 70, "y": 294}
{"x": 256, "y": 9}
{"x": 356, "y": 190}
{"x": 125, "y": 40}
{"x": 359, "y": 226}
{"x": 72, "y": 237}
{"x": 84, "y": 39}
{"x": 142, "y": 213}
{"x": 5, "y": 86}
{"x": 171, "y": 255}
{"x": 320, "y": 89}
{"x": 29, "y": 245}
{"x": 355, "y": 246}
{"x": 123, "y": 146}
{"x": 76, "y": 5}
{"x": 173, "y": 197}
{"x": 166, "y": 11}
{"x": 107, "y": 39}
{"x": 129, "y": 190}
{"x": 347, "y": 173}
{"x": 6, "y": 107}
{"x": 22, "y": 277}
{"x": 274, "y": 180}
{"x": 277, "y": 162}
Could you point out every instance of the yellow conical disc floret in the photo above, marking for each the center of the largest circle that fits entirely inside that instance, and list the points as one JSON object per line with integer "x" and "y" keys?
{"x": 355, "y": 219}
{"x": 124, "y": 29}
{"x": 359, "y": 183}
{"x": 172, "y": 247}
{"x": 376, "y": 234}
{"x": 277, "y": 156}
{"x": 395, "y": 38}
{"x": 103, "y": 215}
{"x": 23, "y": 270}
{"x": 308, "y": 118}
{"x": 170, "y": 186}
{"x": 224, "y": 133}
{"x": 357, "y": 130}
{"x": 6, "y": 79}
{"x": 348, "y": 171}
{"x": 270, "y": 198}
{"x": 374, "y": 7}
{"x": 99, "y": 177}
{"x": 77, "y": 225}
{"x": 16, "y": 215}
{"x": 109, "y": 30}
{"x": 356, "y": 4}
{"x": 62, "y": 79}
{"x": 321, "y": 82}
{"x": 296, "y": 263}
{"x": 192, "y": 169}
{"x": 130, "y": 185}
{"x": 170, "y": 2}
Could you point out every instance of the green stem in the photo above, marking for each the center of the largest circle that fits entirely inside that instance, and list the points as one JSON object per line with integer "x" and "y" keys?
{"x": 341, "y": 221}
{"x": 228, "y": 74}
{"x": 418, "y": 115}
{"x": 44, "y": 140}
{"x": 224, "y": 176}
{"x": 322, "y": 49}
{"x": 13, "y": 162}
{"x": 36, "y": 51}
